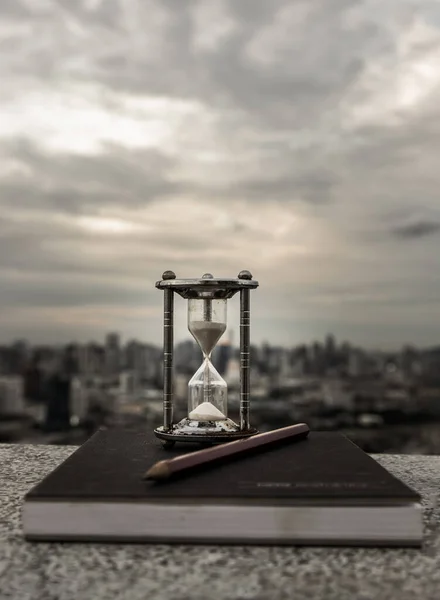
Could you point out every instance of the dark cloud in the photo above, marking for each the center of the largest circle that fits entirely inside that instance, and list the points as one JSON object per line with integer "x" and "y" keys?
{"x": 419, "y": 229}
{"x": 113, "y": 43}
{"x": 18, "y": 10}
{"x": 74, "y": 182}
{"x": 295, "y": 87}
{"x": 315, "y": 188}
{"x": 117, "y": 176}
{"x": 61, "y": 293}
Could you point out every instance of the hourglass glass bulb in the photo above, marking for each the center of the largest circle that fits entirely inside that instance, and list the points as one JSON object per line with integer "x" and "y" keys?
{"x": 207, "y": 322}
{"x": 207, "y": 391}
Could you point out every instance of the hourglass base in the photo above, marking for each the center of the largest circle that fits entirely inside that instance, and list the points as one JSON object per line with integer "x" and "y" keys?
{"x": 214, "y": 432}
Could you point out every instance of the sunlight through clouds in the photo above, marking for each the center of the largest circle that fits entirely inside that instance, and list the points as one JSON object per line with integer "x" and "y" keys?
{"x": 110, "y": 226}
{"x": 84, "y": 119}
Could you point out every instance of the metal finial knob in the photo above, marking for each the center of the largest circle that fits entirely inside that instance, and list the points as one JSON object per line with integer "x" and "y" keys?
{"x": 207, "y": 276}
{"x": 245, "y": 275}
{"x": 169, "y": 275}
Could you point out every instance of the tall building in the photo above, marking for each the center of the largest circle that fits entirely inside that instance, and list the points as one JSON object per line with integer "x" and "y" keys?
{"x": 58, "y": 402}
{"x": 409, "y": 361}
{"x": 232, "y": 374}
{"x": 356, "y": 363}
{"x": 317, "y": 358}
{"x": 70, "y": 359}
{"x": 299, "y": 367}
{"x": 187, "y": 357}
{"x": 265, "y": 355}
{"x": 112, "y": 354}
{"x": 221, "y": 356}
{"x": 135, "y": 357}
{"x": 128, "y": 383}
{"x": 19, "y": 356}
{"x": 153, "y": 362}
{"x": 78, "y": 401}
{"x": 330, "y": 346}
{"x": 284, "y": 365}
{"x": 33, "y": 382}
{"x": 91, "y": 359}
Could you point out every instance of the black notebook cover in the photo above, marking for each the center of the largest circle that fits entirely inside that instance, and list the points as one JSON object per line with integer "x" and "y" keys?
{"x": 326, "y": 468}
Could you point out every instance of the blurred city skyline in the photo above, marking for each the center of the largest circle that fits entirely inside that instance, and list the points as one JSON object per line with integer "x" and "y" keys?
{"x": 231, "y": 339}
{"x": 381, "y": 400}
{"x": 297, "y": 140}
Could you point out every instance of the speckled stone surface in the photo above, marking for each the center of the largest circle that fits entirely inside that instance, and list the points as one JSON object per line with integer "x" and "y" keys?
{"x": 33, "y": 571}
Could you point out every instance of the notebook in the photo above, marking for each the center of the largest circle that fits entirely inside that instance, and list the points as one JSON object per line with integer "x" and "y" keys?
{"x": 323, "y": 490}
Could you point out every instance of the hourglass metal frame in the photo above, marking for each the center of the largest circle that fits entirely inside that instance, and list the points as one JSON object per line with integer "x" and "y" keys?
{"x": 206, "y": 287}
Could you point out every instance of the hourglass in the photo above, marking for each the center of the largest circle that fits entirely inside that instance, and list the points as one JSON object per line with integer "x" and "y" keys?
{"x": 207, "y": 419}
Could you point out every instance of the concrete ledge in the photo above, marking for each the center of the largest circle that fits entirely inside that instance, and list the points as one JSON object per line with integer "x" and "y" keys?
{"x": 75, "y": 571}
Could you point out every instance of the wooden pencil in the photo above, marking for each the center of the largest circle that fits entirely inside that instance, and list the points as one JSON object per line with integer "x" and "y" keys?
{"x": 165, "y": 469}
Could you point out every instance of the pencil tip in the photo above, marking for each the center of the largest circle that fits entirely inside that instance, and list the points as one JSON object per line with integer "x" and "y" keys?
{"x": 158, "y": 471}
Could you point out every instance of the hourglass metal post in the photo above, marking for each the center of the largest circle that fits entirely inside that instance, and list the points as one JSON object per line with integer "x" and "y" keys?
{"x": 245, "y": 325}
{"x": 168, "y": 331}
{"x": 207, "y": 419}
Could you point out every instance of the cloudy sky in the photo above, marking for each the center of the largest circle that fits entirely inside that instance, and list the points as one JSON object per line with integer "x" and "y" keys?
{"x": 299, "y": 140}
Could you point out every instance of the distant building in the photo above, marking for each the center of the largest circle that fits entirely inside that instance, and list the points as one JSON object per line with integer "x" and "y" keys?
{"x": 337, "y": 393}
{"x": 142, "y": 359}
{"x": 317, "y": 358}
{"x": 19, "y": 357}
{"x": 330, "y": 346}
{"x": 58, "y": 402}
{"x": 284, "y": 364}
{"x": 265, "y": 358}
{"x": 409, "y": 361}
{"x": 33, "y": 383}
{"x": 430, "y": 363}
{"x": 181, "y": 387}
{"x": 79, "y": 401}
{"x": 299, "y": 367}
{"x": 112, "y": 352}
{"x": 91, "y": 359}
{"x": 48, "y": 359}
{"x": 221, "y": 356}
{"x": 187, "y": 357}
{"x": 11, "y": 395}
{"x": 135, "y": 357}
{"x": 356, "y": 363}
{"x": 232, "y": 374}
{"x": 128, "y": 383}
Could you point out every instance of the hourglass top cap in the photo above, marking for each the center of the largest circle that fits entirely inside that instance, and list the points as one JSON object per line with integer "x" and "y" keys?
{"x": 207, "y": 286}
{"x": 169, "y": 275}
